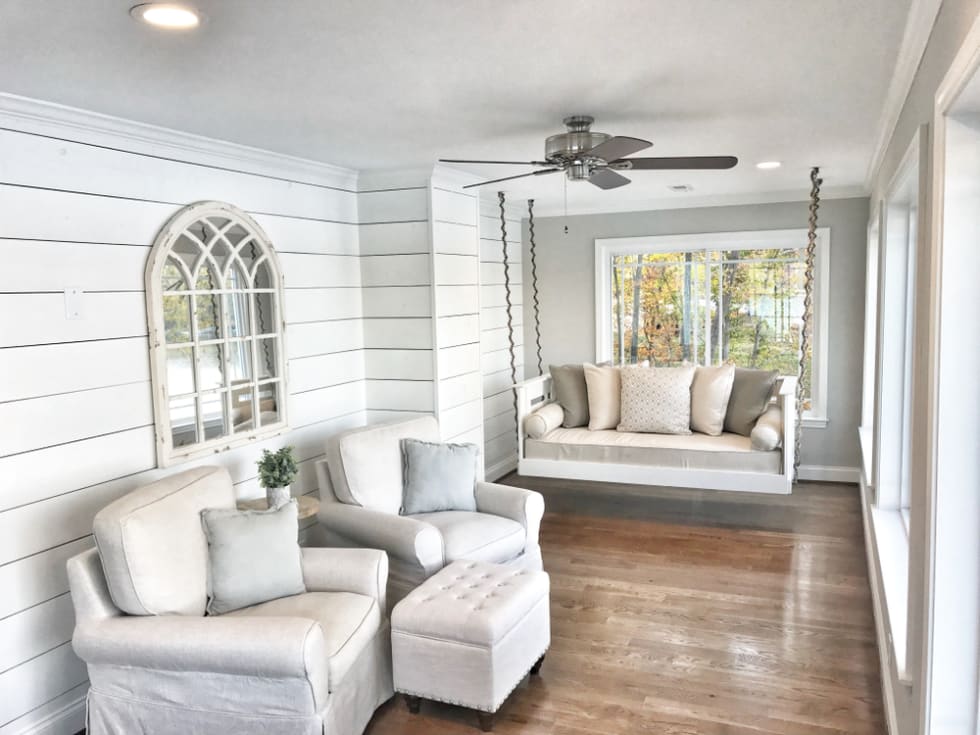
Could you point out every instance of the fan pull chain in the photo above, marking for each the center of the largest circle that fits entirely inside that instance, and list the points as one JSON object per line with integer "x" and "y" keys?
{"x": 534, "y": 283}
{"x": 510, "y": 304}
{"x": 564, "y": 180}
{"x": 805, "y": 367}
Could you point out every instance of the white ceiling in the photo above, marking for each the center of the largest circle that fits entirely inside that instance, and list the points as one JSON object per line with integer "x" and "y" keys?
{"x": 377, "y": 84}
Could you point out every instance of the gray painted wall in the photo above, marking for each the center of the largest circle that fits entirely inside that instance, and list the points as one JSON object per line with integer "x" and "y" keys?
{"x": 566, "y": 284}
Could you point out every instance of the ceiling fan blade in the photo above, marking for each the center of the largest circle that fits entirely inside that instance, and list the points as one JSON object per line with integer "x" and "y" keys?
{"x": 675, "y": 164}
{"x": 619, "y": 147}
{"x": 503, "y": 163}
{"x": 519, "y": 176}
{"x": 606, "y": 178}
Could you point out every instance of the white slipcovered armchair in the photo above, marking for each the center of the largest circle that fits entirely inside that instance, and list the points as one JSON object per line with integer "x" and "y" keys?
{"x": 361, "y": 497}
{"x": 308, "y": 664}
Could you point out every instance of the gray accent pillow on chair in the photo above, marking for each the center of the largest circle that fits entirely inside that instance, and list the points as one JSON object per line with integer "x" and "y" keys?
{"x": 253, "y": 556}
{"x": 568, "y": 384}
{"x": 438, "y": 477}
{"x": 751, "y": 391}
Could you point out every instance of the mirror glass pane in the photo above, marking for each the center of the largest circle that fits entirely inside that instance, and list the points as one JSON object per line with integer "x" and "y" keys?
{"x": 263, "y": 275}
{"x": 236, "y": 278}
{"x": 269, "y": 403}
{"x": 241, "y": 407}
{"x": 208, "y": 317}
{"x": 239, "y": 321}
{"x": 176, "y": 319}
{"x": 180, "y": 370}
{"x": 183, "y": 421}
{"x": 235, "y": 234}
{"x": 240, "y": 361}
{"x": 213, "y": 413}
{"x": 267, "y": 357}
{"x": 211, "y": 369}
{"x": 220, "y": 251}
{"x": 173, "y": 278}
{"x": 265, "y": 313}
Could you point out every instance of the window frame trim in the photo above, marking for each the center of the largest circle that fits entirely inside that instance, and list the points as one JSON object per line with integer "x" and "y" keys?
{"x": 167, "y": 454}
{"x": 607, "y": 248}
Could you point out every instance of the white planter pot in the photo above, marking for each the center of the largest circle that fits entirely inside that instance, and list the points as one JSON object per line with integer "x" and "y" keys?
{"x": 277, "y": 496}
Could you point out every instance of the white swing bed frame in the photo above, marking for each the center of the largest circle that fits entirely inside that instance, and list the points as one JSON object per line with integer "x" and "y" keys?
{"x": 534, "y": 393}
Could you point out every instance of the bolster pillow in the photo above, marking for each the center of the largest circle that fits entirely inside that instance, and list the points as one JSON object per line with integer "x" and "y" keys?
{"x": 768, "y": 430}
{"x": 544, "y": 420}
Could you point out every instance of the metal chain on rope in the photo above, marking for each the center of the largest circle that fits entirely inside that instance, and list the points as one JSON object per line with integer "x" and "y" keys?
{"x": 510, "y": 304}
{"x": 534, "y": 283}
{"x": 805, "y": 333}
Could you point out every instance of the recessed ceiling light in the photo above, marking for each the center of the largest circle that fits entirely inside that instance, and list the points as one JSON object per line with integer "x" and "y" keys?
{"x": 681, "y": 187}
{"x": 167, "y": 15}
{"x": 768, "y": 165}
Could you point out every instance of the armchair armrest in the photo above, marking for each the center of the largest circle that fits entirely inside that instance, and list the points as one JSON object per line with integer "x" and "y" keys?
{"x": 364, "y": 571}
{"x": 244, "y": 646}
{"x": 407, "y": 539}
{"x": 524, "y": 506}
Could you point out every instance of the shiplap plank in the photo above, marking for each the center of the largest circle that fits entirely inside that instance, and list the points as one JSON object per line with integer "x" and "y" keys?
{"x": 376, "y": 416}
{"x": 394, "y": 237}
{"x": 319, "y": 338}
{"x": 456, "y": 270}
{"x": 291, "y": 234}
{"x": 492, "y": 274}
{"x": 458, "y": 330}
{"x": 319, "y": 371}
{"x": 321, "y": 304}
{"x": 471, "y": 436}
{"x": 37, "y": 161}
{"x": 458, "y": 360}
{"x": 407, "y": 333}
{"x": 495, "y": 317}
{"x": 400, "y": 395}
{"x": 500, "y": 380}
{"x": 38, "y": 475}
{"x": 500, "y": 448}
{"x": 395, "y": 270}
{"x": 449, "y": 237}
{"x": 498, "y": 360}
{"x": 499, "y": 339}
{"x": 458, "y": 419}
{"x": 452, "y": 206}
{"x": 316, "y": 405}
{"x": 397, "y": 301}
{"x": 492, "y": 250}
{"x": 38, "y": 577}
{"x": 36, "y": 681}
{"x": 66, "y": 711}
{"x": 394, "y": 364}
{"x": 499, "y": 403}
{"x": 42, "y": 318}
{"x": 43, "y": 422}
{"x": 399, "y": 205}
{"x": 455, "y": 300}
{"x": 48, "y": 369}
{"x": 33, "y": 631}
{"x": 459, "y": 390}
{"x": 491, "y": 296}
{"x": 55, "y": 266}
{"x": 504, "y": 423}
{"x": 303, "y": 270}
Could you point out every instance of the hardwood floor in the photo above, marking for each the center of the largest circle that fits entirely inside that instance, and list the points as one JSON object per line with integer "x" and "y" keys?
{"x": 694, "y": 613}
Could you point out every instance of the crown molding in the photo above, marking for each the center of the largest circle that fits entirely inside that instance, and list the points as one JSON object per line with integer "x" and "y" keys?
{"x": 719, "y": 200}
{"x": 918, "y": 27}
{"x": 27, "y": 115}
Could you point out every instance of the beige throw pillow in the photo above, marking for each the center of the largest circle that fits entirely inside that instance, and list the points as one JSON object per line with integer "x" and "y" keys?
{"x": 656, "y": 400}
{"x": 751, "y": 392}
{"x": 710, "y": 391}
{"x": 603, "y": 389}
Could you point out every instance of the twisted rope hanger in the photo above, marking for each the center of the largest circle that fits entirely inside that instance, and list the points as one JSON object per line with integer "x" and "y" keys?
{"x": 534, "y": 283}
{"x": 806, "y": 368}
{"x": 509, "y": 300}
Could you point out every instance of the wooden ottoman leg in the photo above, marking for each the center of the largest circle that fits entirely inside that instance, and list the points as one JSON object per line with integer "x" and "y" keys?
{"x": 536, "y": 669}
{"x": 487, "y": 720}
{"x": 414, "y": 703}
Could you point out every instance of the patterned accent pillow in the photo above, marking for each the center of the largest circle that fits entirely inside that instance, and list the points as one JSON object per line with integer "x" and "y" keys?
{"x": 656, "y": 400}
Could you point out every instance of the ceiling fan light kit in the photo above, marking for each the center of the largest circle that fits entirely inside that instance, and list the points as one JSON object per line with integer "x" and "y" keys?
{"x": 586, "y": 155}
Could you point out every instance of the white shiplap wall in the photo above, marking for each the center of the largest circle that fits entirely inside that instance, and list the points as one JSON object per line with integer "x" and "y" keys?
{"x": 500, "y": 444}
{"x": 75, "y": 406}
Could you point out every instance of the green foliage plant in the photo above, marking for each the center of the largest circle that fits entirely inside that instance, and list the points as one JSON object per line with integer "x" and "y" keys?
{"x": 277, "y": 469}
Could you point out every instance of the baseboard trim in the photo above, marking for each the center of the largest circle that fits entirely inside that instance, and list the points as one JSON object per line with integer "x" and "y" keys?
{"x": 69, "y": 718}
{"x": 829, "y": 473}
{"x": 498, "y": 469}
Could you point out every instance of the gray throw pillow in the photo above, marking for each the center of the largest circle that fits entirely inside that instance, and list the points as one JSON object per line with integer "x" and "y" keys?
{"x": 253, "y": 556}
{"x": 438, "y": 477}
{"x": 751, "y": 391}
{"x": 568, "y": 384}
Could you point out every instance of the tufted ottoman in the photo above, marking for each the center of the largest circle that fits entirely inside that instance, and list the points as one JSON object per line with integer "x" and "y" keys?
{"x": 469, "y": 634}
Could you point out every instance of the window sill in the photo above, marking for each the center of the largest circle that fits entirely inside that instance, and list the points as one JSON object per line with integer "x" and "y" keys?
{"x": 815, "y": 422}
{"x": 892, "y": 544}
{"x": 865, "y": 440}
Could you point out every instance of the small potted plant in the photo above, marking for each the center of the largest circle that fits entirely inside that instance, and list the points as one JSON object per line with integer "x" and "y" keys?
{"x": 276, "y": 471}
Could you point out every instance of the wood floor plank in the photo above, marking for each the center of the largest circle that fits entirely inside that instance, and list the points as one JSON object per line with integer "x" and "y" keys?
{"x": 681, "y": 612}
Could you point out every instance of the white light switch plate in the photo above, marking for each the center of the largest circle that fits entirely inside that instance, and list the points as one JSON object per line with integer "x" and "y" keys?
{"x": 73, "y": 303}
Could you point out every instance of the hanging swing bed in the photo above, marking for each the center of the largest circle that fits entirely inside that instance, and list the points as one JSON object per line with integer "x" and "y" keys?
{"x": 764, "y": 460}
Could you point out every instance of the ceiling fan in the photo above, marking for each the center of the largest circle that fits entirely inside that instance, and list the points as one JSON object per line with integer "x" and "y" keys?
{"x": 585, "y": 155}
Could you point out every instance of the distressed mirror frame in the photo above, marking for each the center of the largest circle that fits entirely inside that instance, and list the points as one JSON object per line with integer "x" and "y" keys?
{"x": 213, "y": 226}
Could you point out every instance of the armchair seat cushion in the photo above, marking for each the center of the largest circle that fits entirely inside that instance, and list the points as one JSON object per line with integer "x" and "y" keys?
{"x": 349, "y": 622}
{"x": 477, "y": 536}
